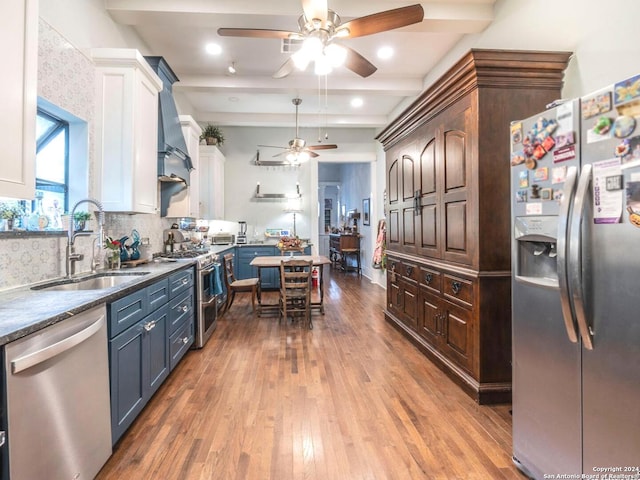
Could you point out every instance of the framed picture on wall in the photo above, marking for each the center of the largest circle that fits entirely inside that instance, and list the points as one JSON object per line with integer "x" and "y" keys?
{"x": 366, "y": 212}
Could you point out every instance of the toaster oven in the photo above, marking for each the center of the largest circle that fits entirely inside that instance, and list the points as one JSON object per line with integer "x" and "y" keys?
{"x": 222, "y": 239}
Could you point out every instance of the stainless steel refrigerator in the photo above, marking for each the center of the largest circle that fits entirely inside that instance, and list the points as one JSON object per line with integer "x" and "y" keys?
{"x": 576, "y": 283}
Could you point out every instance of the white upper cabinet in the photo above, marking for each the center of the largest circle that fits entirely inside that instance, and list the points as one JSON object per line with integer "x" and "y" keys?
{"x": 211, "y": 182}
{"x": 18, "y": 97}
{"x": 125, "y": 170}
{"x": 186, "y": 203}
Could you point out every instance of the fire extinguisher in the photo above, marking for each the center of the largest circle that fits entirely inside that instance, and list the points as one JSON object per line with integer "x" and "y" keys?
{"x": 315, "y": 275}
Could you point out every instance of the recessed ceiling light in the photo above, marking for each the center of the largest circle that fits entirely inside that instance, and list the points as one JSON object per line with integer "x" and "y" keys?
{"x": 385, "y": 53}
{"x": 356, "y": 102}
{"x": 213, "y": 49}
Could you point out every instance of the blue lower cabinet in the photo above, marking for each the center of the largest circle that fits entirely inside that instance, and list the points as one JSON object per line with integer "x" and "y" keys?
{"x": 181, "y": 341}
{"x": 128, "y": 367}
{"x": 143, "y": 352}
{"x": 157, "y": 332}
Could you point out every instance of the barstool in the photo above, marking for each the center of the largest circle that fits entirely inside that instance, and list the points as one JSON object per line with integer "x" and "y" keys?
{"x": 348, "y": 252}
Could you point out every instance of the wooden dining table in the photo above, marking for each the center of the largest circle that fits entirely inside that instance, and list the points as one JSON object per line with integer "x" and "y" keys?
{"x": 274, "y": 262}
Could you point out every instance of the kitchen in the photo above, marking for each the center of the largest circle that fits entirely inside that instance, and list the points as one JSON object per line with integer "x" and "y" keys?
{"x": 537, "y": 31}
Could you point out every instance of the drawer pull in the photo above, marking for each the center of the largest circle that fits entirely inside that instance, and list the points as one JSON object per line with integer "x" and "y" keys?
{"x": 428, "y": 278}
{"x": 185, "y": 281}
{"x": 185, "y": 309}
{"x": 456, "y": 287}
{"x": 409, "y": 270}
{"x": 185, "y": 340}
{"x": 149, "y": 326}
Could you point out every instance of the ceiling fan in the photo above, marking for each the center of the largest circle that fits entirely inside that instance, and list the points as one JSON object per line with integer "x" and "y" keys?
{"x": 319, "y": 26}
{"x": 297, "y": 151}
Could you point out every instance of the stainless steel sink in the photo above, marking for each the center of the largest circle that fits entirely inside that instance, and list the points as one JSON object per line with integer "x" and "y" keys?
{"x": 98, "y": 281}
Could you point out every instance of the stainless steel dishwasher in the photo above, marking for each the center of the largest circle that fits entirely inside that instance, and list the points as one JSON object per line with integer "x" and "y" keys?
{"x": 58, "y": 409}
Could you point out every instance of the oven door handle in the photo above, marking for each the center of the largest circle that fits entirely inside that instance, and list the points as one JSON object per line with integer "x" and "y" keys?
{"x": 209, "y": 302}
{"x": 207, "y": 271}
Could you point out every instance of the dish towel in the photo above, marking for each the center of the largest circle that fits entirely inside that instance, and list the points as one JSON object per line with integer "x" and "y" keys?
{"x": 217, "y": 279}
{"x": 380, "y": 254}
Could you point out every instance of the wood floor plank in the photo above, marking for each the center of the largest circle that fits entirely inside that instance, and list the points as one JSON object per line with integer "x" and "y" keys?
{"x": 351, "y": 399}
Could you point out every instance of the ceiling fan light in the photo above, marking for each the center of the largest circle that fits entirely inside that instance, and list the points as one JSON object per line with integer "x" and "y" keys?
{"x": 313, "y": 46}
{"x": 336, "y": 55}
{"x": 323, "y": 66}
{"x": 292, "y": 157}
{"x": 303, "y": 156}
{"x": 342, "y": 32}
{"x": 301, "y": 59}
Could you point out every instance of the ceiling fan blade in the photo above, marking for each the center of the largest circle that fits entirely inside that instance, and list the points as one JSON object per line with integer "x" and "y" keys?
{"x": 273, "y": 146}
{"x": 281, "y": 153}
{"x": 383, "y": 21}
{"x": 315, "y": 9}
{"x": 357, "y": 63}
{"x": 311, "y": 154}
{"x": 286, "y": 68}
{"x": 255, "y": 33}
{"x": 322, "y": 147}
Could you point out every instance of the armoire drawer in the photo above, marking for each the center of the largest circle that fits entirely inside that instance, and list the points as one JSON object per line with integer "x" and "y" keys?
{"x": 430, "y": 279}
{"x": 458, "y": 290}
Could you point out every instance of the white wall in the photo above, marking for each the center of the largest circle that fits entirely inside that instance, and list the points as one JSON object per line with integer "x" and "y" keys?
{"x": 242, "y": 175}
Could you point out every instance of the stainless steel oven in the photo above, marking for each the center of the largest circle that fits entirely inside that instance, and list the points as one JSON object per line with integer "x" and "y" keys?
{"x": 207, "y": 291}
{"x": 206, "y": 297}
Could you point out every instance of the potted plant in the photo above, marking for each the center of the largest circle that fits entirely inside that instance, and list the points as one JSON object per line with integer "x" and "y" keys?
{"x": 80, "y": 219}
{"x": 9, "y": 212}
{"x": 212, "y": 135}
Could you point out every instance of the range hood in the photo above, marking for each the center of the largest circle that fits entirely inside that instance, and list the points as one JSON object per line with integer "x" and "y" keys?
{"x": 174, "y": 162}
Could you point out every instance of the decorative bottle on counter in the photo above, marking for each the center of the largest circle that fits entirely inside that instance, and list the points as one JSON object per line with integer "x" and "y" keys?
{"x": 112, "y": 259}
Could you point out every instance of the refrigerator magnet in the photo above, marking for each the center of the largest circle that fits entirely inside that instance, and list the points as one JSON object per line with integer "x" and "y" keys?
{"x": 624, "y": 126}
{"x": 534, "y": 208}
{"x": 523, "y": 178}
{"x": 516, "y": 133}
{"x": 634, "y": 218}
{"x": 626, "y": 90}
{"x": 548, "y": 143}
{"x": 564, "y": 153}
{"x": 596, "y": 105}
{"x": 565, "y": 139}
{"x": 559, "y": 174}
{"x": 541, "y": 174}
{"x": 539, "y": 152}
{"x": 517, "y": 158}
{"x": 546, "y": 194}
{"x": 535, "y": 191}
{"x": 521, "y": 196}
{"x": 557, "y": 195}
{"x": 530, "y": 163}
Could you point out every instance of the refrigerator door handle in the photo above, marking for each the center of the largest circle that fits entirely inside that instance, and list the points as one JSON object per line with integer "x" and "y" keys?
{"x": 575, "y": 251}
{"x": 562, "y": 253}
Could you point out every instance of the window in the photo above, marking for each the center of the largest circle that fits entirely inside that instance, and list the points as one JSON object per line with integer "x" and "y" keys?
{"x": 52, "y": 167}
{"x": 52, "y": 178}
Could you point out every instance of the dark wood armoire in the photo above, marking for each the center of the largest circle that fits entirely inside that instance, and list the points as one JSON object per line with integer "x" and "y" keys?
{"x": 448, "y": 214}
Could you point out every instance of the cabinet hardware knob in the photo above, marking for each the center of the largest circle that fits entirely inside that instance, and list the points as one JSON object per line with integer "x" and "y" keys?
{"x": 409, "y": 270}
{"x": 185, "y": 309}
{"x": 185, "y": 340}
{"x": 428, "y": 278}
{"x": 456, "y": 287}
{"x": 149, "y": 326}
{"x": 185, "y": 281}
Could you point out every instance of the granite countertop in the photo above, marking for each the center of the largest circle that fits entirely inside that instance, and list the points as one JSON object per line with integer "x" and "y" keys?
{"x": 24, "y": 311}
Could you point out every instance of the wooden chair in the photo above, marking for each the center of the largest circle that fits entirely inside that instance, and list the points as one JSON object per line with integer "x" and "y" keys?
{"x": 295, "y": 289}
{"x": 235, "y": 286}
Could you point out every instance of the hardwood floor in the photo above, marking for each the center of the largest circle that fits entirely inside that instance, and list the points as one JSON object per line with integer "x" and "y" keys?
{"x": 350, "y": 399}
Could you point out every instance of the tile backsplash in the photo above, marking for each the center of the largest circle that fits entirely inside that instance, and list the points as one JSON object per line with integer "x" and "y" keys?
{"x": 66, "y": 79}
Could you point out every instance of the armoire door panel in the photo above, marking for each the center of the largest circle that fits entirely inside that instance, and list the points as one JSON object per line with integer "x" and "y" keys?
{"x": 408, "y": 229}
{"x": 428, "y": 168}
{"x": 429, "y": 324}
{"x": 455, "y": 160}
{"x": 458, "y": 335}
{"x": 392, "y": 182}
{"x": 408, "y": 178}
{"x": 429, "y": 229}
{"x": 393, "y": 228}
{"x": 456, "y": 227}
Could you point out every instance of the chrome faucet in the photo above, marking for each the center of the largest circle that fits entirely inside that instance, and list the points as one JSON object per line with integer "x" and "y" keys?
{"x": 71, "y": 256}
